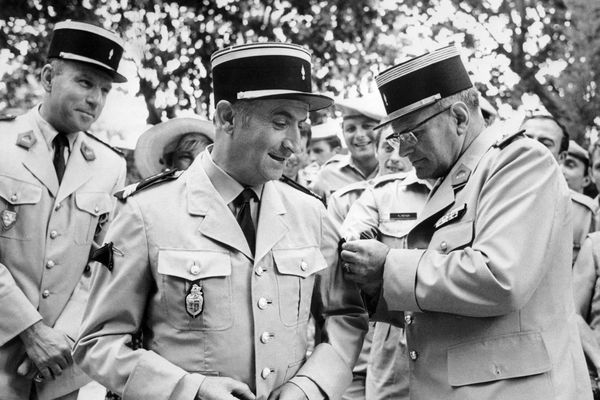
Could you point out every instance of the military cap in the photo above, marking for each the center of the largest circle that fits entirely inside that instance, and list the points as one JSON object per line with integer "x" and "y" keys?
{"x": 265, "y": 71}
{"x": 369, "y": 106}
{"x": 328, "y": 129}
{"x": 421, "y": 81}
{"x": 151, "y": 144}
{"x": 87, "y": 43}
{"x": 575, "y": 150}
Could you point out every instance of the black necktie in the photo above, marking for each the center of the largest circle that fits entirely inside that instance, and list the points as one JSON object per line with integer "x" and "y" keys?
{"x": 244, "y": 217}
{"x": 60, "y": 142}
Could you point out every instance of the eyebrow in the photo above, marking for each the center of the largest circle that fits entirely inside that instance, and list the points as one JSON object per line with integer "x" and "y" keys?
{"x": 287, "y": 114}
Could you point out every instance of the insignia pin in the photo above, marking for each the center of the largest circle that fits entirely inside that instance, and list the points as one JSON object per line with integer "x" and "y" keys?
{"x": 8, "y": 219}
{"x": 194, "y": 301}
{"x": 303, "y": 73}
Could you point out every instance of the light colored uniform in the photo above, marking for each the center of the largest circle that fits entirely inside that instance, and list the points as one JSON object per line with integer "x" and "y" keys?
{"x": 392, "y": 205}
{"x": 337, "y": 173}
{"x": 586, "y": 282}
{"x": 46, "y": 236}
{"x": 486, "y": 281}
{"x": 254, "y": 310}
{"x": 342, "y": 199}
{"x": 583, "y": 213}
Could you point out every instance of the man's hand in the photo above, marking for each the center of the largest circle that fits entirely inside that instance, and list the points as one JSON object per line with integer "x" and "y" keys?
{"x": 221, "y": 388}
{"x": 287, "y": 391}
{"x": 363, "y": 260}
{"x": 48, "y": 349}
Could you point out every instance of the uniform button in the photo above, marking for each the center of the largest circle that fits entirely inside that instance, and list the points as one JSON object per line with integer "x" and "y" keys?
{"x": 96, "y": 209}
{"x": 265, "y": 337}
{"x": 195, "y": 269}
{"x": 57, "y": 207}
{"x": 45, "y": 293}
{"x": 444, "y": 246}
{"x": 86, "y": 269}
{"x": 259, "y": 271}
{"x": 265, "y": 372}
{"x": 303, "y": 266}
{"x": 50, "y": 264}
{"x": 413, "y": 355}
{"x": 53, "y": 234}
{"x": 408, "y": 319}
{"x": 14, "y": 197}
{"x": 263, "y": 303}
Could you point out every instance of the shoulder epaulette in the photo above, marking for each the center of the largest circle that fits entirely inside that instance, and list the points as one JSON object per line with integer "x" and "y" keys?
{"x": 385, "y": 179}
{"x": 119, "y": 152}
{"x": 7, "y": 117}
{"x": 584, "y": 200}
{"x": 134, "y": 188}
{"x": 508, "y": 138}
{"x": 353, "y": 187}
{"x": 301, "y": 188}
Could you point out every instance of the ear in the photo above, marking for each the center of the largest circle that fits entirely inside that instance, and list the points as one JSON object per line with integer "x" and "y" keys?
{"x": 461, "y": 113}
{"x": 586, "y": 180}
{"x": 224, "y": 116}
{"x": 561, "y": 156}
{"x": 46, "y": 77}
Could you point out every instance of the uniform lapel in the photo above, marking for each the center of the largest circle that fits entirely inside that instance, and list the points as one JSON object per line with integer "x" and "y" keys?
{"x": 37, "y": 158}
{"x": 271, "y": 223}
{"x": 219, "y": 223}
{"x": 78, "y": 171}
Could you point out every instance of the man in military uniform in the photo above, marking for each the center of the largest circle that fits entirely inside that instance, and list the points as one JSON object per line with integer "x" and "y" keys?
{"x": 55, "y": 200}
{"x": 220, "y": 266}
{"x": 485, "y": 280}
{"x": 551, "y": 133}
{"x": 360, "y": 115}
{"x": 325, "y": 142}
{"x": 172, "y": 144}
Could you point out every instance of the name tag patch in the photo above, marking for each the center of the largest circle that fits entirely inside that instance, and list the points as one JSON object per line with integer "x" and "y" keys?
{"x": 403, "y": 216}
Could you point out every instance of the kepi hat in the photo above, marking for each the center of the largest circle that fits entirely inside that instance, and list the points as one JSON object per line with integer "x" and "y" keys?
{"x": 421, "y": 81}
{"x": 87, "y": 43}
{"x": 151, "y": 144}
{"x": 265, "y": 71}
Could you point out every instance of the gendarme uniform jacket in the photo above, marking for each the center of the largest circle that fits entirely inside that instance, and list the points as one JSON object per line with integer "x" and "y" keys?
{"x": 46, "y": 235}
{"x": 486, "y": 280}
{"x": 391, "y": 205}
{"x": 252, "y": 316}
{"x": 583, "y": 213}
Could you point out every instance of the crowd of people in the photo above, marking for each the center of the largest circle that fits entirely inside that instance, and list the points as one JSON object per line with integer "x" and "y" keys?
{"x": 427, "y": 253}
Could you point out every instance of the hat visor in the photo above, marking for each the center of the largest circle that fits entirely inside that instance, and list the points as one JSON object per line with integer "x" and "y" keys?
{"x": 419, "y": 105}
{"x": 314, "y": 101}
{"x": 114, "y": 75}
{"x": 150, "y": 145}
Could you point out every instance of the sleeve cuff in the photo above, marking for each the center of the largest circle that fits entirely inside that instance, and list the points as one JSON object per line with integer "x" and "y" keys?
{"x": 400, "y": 280}
{"x": 310, "y": 389}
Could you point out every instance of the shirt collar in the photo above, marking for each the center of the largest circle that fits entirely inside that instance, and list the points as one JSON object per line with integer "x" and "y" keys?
{"x": 224, "y": 183}
{"x": 49, "y": 132}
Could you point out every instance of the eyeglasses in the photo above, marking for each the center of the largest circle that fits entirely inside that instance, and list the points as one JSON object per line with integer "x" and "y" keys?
{"x": 407, "y": 137}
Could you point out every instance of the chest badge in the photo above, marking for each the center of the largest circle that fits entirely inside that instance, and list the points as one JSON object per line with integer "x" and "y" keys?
{"x": 453, "y": 214}
{"x": 194, "y": 301}
{"x": 9, "y": 218}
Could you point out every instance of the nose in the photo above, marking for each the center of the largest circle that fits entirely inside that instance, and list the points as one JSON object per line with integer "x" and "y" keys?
{"x": 291, "y": 142}
{"x": 405, "y": 149}
{"x": 94, "y": 97}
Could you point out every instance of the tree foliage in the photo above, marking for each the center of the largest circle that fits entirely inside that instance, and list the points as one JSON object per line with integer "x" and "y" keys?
{"x": 516, "y": 45}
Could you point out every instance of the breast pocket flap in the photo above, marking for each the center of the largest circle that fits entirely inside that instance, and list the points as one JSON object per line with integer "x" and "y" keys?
{"x": 15, "y": 191}
{"x": 194, "y": 264}
{"x": 453, "y": 236}
{"x": 301, "y": 262}
{"x": 95, "y": 203}
{"x": 492, "y": 359}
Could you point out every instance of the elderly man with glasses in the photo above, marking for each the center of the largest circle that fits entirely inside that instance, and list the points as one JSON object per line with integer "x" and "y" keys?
{"x": 484, "y": 285}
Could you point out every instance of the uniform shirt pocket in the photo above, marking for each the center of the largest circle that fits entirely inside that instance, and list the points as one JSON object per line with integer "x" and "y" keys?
{"x": 394, "y": 231}
{"x": 18, "y": 214}
{"x": 92, "y": 205}
{"x": 295, "y": 281}
{"x": 180, "y": 271}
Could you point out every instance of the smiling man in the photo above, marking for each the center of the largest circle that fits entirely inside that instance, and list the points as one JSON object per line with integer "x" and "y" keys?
{"x": 220, "y": 266}
{"x": 483, "y": 286}
{"x": 360, "y": 116}
{"x": 56, "y": 189}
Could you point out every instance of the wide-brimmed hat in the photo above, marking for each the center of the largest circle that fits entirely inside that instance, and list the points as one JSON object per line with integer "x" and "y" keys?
{"x": 369, "y": 106}
{"x": 151, "y": 144}
{"x": 265, "y": 71}
{"x": 422, "y": 81}
{"x": 87, "y": 43}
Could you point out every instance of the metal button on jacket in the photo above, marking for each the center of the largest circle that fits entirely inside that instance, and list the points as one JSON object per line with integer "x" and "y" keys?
{"x": 14, "y": 197}
{"x": 50, "y": 264}
{"x": 263, "y": 303}
{"x": 265, "y": 372}
{"x": 303, "y": 266}
{"x": 195, "y": 269}
{"x": 444, "y": 246}
{"x": 413, "y": 355}
{"x": 265, "y": 337}
{"x": 408, "y": 319}
{"x": 45, "y": 293}
{"x": 53, "y": 235}
{"x": 259, "y": 270}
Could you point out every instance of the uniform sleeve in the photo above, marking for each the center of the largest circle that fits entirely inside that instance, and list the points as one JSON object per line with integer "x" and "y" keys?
{"x": 584, "y": 279}
{"x": 338, "y": 303}
{"x": 17, "y": 313}
{"x": 363, "y": 216}
{"x": 502, "y": 265}
{"x": 115, "y": 312}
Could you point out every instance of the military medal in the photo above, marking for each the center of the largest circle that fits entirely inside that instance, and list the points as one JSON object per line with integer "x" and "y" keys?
{"x": 9, "y": 217}
{"x": 194, "y": 301}
{"x": 451, "y": 216}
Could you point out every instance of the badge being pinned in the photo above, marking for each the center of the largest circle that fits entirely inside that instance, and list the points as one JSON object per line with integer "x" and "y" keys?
{"x": 9, "y": 218}
{"x": 194, "y": 301}
{"x": 453, "y": 214}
